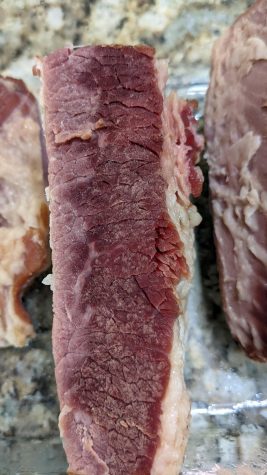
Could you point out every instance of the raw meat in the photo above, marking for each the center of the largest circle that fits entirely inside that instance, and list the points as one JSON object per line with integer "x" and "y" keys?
{"x": 235, "y": 124}
{"x": 121, "y": 169}
{"x": 23, "y": 212}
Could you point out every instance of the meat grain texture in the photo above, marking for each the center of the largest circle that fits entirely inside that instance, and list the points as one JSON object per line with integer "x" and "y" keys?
{"x": 236, "y": 133}
{"x": 121, "y": 169}
{"x": 23, "y": 211}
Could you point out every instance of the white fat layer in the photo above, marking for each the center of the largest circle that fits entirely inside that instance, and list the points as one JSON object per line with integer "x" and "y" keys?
{"x": 48, "y": 280}
{"x": 13, "y": 330}
{"x": 175, "y": 407}
{"x": 175, "y": 414}
{"x": 47, "y": 195}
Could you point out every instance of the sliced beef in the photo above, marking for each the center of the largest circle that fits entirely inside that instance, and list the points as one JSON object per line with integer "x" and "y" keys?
{"x": 236, "y": 120}
{"x": 23, "y": 212}
{"x": 121, "y": 169}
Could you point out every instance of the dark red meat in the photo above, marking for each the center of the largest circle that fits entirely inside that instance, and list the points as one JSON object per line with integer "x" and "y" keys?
{"x": 117, "y": 256}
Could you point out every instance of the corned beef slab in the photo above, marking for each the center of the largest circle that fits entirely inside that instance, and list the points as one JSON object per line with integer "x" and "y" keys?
{"x": 121, "y": 169}
{"x": 236, "y": 127}
{"x": 23, "y": 211}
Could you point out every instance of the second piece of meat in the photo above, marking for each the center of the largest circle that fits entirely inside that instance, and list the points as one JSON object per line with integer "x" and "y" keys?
{"x": 236, "y": 133}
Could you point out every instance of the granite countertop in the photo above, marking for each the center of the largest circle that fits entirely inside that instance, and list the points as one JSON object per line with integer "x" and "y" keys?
{"x": 181, "y": 30}
{"x": 217, "y": 372}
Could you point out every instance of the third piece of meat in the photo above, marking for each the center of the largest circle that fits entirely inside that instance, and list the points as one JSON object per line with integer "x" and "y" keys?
{"x": 23, "y": 210}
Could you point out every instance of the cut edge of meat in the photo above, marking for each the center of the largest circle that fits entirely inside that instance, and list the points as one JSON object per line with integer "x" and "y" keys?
{"x": 177, "y": 168}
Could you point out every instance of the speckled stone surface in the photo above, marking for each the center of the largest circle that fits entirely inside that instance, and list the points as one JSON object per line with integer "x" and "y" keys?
{"x": 182, "y": 30}
{"x": 217, "y": 372}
